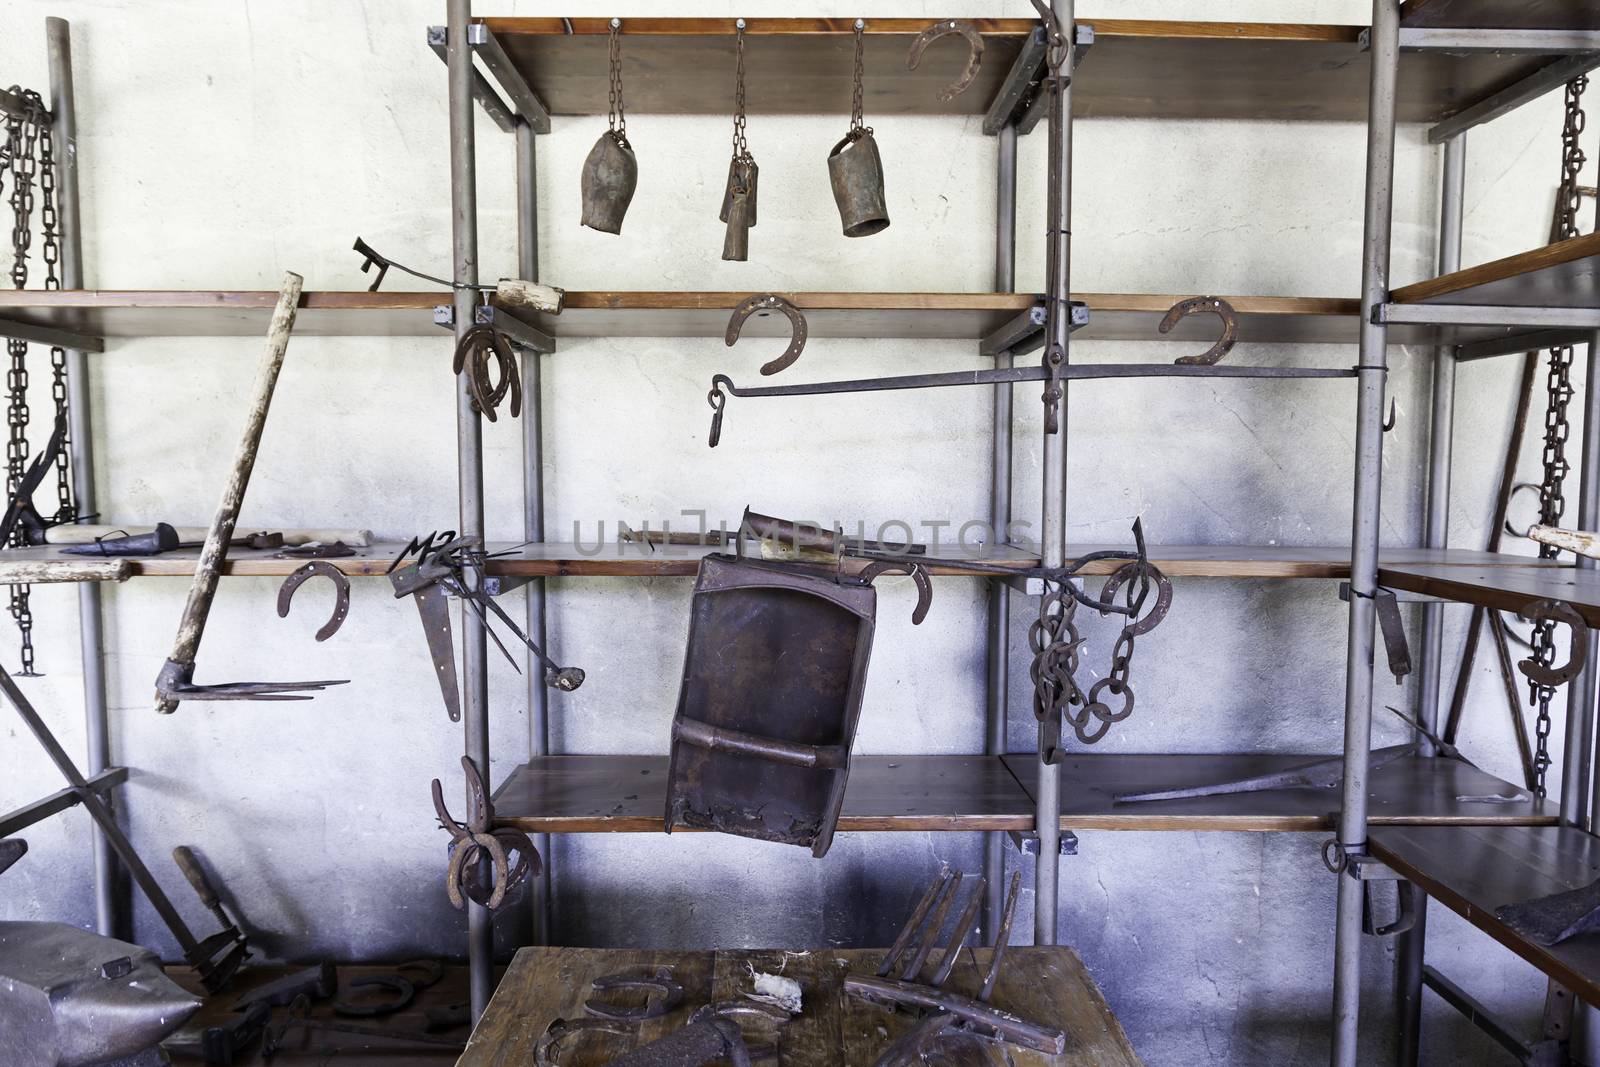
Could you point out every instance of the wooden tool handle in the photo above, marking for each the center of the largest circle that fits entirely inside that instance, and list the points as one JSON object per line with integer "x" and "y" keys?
{"x": 87, "y": 533}
{"x": 514, "y": 294}
{"x": 38, "y": 571}
{"x": 209, "y": 567}
{"x": 190, "y": 866}
{"x": 1579, "y": 541}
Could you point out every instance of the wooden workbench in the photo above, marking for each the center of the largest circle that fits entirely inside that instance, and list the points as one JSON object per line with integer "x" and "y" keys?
{"x": 543, "y": 984}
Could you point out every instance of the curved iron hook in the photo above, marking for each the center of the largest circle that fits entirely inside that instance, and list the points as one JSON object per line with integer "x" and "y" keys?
{"x": 945, "y": 28}
{"x": 1389, "y": 423}
{"x": 762, "y": 304}
{"x": 1515, "y": 489}
{"x": 341, "y": 585}
{"x": 1194, "y": 306}
{"x": 718, "y": 400}
{"x": 1557, "y": 611}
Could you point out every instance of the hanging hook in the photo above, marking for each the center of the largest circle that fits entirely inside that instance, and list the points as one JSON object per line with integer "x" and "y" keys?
{"x": 762, "y": 304}
{"x": 1194, "y": 306}
{"x": 944, "y": 29}
{"x": 718, "y": 400}
{"x": 1388, "y": 424}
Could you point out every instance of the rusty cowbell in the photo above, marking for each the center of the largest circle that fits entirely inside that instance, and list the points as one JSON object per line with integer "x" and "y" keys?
{"x": 856, "y": 172}
{"x": 739, "y": 209}
{"x": 609, "y": 177}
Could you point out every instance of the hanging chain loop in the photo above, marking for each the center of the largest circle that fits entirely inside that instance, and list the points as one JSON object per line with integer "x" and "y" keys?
{"x": 1557, "y": 429}
{"x": 617, "y": 115}
{"x": 741, "y": 150}
{"x": 858, "y": 129}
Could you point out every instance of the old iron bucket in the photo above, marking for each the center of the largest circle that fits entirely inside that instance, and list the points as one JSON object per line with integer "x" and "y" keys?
{"x": 609, "y": 176}
{"x": 856, "y": 171}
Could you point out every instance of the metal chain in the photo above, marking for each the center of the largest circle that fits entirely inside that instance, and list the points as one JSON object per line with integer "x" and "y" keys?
{"x": 616, "y": 116}
{"x": 1557, "y": 430}
{"x": 50, "y": 230}
{"x": 858, "y": 90}
{"x": 741, "y": 150}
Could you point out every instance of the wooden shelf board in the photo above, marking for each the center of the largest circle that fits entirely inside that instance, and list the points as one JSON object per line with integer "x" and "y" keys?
{"x": 1506, "y": 588}
{"x": 1410, "y": 790}
{"x": 1564, "y": 274}
{"x": 1473, "y": 870}
{"x": 627, "y": 794}
{"x": 646, "y": 313}
{"x": 1501, "y": 14}
{"x": 556, "y": 560}
{"x": 1136, "y": 68}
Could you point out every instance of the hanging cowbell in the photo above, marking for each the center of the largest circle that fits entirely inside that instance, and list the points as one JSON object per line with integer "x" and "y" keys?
{"x": 611, "y": 173}
{"x": 609, "y": 177}
{"x": 739, "y": 195}
{"x": 741, "y": 213}
{"x": 856, "y": 170}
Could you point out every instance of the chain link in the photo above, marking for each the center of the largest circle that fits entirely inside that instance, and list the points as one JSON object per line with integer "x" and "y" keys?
{"x": 858, "y": 90}
{"x": 741, "y": 149}
{"x": 1557, "y": 430}
{"x": 617, "y": 116}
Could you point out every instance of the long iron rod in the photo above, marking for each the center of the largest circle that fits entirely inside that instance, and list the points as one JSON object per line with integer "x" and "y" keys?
{"x": 1377, "y": 219}
{"x": 110, "y": 905}
{"x": 1410, "y": 947}
{"x": 1053, "y": 527}
{"x": 469, "y": 447}
{"x": 533, "y": 504}
{"x": 998, "y": 690}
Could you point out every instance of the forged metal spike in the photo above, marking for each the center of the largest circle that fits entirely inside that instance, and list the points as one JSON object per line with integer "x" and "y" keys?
{"x": 958, "y": 936}
{"x": 1002, "y": 938}
{"x": 920, "y": 912}
{"x": 931, "y": 931}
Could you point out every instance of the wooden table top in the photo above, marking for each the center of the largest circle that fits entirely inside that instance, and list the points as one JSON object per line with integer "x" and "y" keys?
{"x": 1047, "y": 984}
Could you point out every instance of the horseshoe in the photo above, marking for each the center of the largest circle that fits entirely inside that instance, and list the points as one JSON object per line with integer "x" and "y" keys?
{"x": 945, "y": 28}
{"x": 1557, "y": 611}
{"x": 1163, "y": 593}
{"x": 341, "y": 603}
{"x": 918, "y": 575}
{"x": 1194, "y": 306}
{"x": 762, "y": 303}
{"x": 670, "y": 995}
{"x": 480, "y": 343}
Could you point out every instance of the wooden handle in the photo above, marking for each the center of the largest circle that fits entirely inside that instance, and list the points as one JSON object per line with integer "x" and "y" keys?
{"x": 209, "y": 567}
{"x": 514, "y": 294}
{"x": 1579, "y": 541}
{"x": 38, "y": 571}
{"x": 190, "y": 866}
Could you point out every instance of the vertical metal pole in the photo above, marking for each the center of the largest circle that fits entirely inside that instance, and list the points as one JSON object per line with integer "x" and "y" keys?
{"x": 110, "y": 907}
{"x": 994, "y": 744}
{"x": 469, "y": 446}
{"x": 533, "y": 506}
{"x": 1411, "y": 945}
{"x": 1581, "y": 692}
{"x": 1372, "y": 370}
{"x": 1052, "y": 527}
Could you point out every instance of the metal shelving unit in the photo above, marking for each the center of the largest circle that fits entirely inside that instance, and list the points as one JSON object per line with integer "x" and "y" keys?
{"x": 533, "y": 69}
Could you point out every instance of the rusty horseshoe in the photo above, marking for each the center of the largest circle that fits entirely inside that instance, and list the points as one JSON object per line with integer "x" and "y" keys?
{"x": 944, "y": 28}
{"x": 341, "y": 585}
{"x": 1557, "y": 611}
{"x": 473, "y": 352}
{"x": 1194, "y": 306}
{"x": 918, "y": 575}
{"x": 763, "y": 304}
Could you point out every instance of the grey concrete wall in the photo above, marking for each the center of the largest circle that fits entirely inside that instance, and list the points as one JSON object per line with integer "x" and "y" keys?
{"x": 223, "y": 144}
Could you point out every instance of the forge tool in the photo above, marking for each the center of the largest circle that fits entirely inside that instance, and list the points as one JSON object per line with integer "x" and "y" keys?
{"x": 948, "y": 1015}
{"x": 450, "y": 565}
{"x": 1313, "y": 774}
{"x": 175, "y": 682}
{"x": 215, "y": 958}
{"x": 298, "y": 1017}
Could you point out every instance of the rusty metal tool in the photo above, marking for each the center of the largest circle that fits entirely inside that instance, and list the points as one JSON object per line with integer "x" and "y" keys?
{"x": 1557, "y": 611}
{"x": 1314, "y": 774}
{"x": 299, "y": 1018}
{"x": 222, "y": 1044}
{"x": 708, "y": 1041}
{"x": 176, "y": 681}
{"x": 480, "y": 840}
{"x": 20, "y": 509}
{"x": 514, "y": 294}
{"x": 317, "y": 982}
{"x": 945, "y": 28}
{"x": 217, "y": 957}
{"x": 1440, "y": 745}
{"x": 560, "y": 1032}
{"x": 669, "y": 994}
{"x": 949, "y": 1014}
{"x": 401, "y": 993}
{"x": 764, "y": 304}
{"x": 447, "y": 564}
{"x": 341, "y": 586}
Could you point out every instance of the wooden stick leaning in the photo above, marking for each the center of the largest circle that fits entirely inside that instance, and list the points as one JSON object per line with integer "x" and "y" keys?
{"x": 174, "y": 683}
